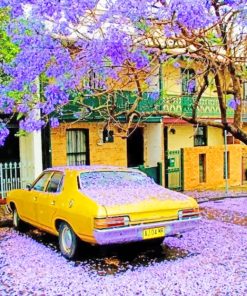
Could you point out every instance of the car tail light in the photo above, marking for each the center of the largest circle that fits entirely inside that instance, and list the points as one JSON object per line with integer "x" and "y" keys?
{"x": 189, "y": 213}
{"x": 111, "y": 222}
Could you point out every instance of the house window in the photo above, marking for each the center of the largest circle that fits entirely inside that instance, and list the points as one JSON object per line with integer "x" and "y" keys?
{"x": 188, "y": 81}
{"x": 94, "y": 80}
{"x": 200, "y": 136}
{"x": 202, "y": 168}
{"x": 226, "y": 171}
{"x": 77, "y": 146}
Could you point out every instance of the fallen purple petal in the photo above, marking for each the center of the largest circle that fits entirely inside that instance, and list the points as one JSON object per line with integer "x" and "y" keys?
{"x": 213, "y": 263}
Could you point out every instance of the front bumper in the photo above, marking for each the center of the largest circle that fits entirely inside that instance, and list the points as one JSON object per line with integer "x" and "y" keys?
{"x": 135, "y": 233}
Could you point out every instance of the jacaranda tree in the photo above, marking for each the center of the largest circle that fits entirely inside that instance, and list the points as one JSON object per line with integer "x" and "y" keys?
{"x": 55, "y": 51}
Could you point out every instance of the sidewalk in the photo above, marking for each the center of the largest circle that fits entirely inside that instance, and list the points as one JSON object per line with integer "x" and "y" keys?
{"x": 217, "y": 194}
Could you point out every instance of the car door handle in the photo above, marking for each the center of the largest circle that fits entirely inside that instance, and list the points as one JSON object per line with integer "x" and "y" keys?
{"x": 53, "y": 203}
{"x": 35, "y": 198}
{"x": 71, "y": 203}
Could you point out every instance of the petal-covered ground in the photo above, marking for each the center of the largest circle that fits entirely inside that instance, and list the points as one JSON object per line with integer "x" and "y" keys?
{"x": 211, "y": 260}
{"x": 233, "y": 204}
{"x": 233, "y": 210}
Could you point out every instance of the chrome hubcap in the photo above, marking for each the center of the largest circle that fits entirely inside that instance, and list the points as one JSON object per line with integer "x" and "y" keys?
{"x": 66, "y": 239}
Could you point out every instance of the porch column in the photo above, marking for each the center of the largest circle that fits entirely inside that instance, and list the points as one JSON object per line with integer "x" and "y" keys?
{"x": 30, "y": 156}
{"x": 154, "y": 145}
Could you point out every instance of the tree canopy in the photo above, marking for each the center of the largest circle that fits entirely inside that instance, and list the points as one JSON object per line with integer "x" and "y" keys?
{"x": 50, "y": 50}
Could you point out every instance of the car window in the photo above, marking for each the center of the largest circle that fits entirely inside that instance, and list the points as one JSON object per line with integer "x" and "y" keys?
{"x": 55, "y": 183}
{"x": 112, "y": 178}
{"x": 42, "y": 181}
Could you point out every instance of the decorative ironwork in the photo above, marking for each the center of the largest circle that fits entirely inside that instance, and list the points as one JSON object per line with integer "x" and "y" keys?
{"x": 14, "y": 176}
{"x": 123, "y": 100}
{"x": 208, "y": 106}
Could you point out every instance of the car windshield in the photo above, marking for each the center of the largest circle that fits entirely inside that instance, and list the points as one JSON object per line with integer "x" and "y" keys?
{"x": 113, "y": 179}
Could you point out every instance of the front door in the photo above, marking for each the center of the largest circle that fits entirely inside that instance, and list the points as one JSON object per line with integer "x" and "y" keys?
{"x": 32, "y": 197}
{"x": 135, "y": 144}
{"x": 47, "y": 205}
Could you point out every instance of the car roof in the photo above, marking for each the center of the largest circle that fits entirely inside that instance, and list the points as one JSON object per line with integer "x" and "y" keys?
{"x": 92, "y": 168}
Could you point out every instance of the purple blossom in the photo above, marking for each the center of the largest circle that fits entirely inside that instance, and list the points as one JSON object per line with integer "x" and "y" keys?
{"x": 6, "y": 105}
{"x": 93, "y": 50}
{"x": 177, "y": 65}
{"x": 154, "y": 96}
{"x": 31, "y": 123}
{"x": 54, "y": 122}
{"x": 192, "y": 86}
{"x": 55, "y": 97}
{"x": 233, "y": 103}
{"x": 22, "y": 108}
{"x": 4, "y": 132}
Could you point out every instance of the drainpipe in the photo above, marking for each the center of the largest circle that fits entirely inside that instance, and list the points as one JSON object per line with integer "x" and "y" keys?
{"x": 161, "y": 81}
{"x": 226, "y": 162}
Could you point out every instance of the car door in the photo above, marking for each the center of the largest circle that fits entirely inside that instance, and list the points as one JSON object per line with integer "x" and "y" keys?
{"x": 47, "y": 205}
{"x": 32, "y": 197}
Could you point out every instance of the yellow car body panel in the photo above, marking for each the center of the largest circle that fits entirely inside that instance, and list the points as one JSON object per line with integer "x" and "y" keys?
{"x": 45, "y": 209}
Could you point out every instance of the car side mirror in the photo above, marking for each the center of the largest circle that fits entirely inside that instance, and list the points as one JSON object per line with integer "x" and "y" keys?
{"x": 28, "y": 187}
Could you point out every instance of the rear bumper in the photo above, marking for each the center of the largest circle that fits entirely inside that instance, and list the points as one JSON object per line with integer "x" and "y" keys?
{"x": 134, "y": 233}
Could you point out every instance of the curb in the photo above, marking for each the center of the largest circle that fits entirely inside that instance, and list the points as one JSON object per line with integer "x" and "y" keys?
{"x": 206, "y": 199}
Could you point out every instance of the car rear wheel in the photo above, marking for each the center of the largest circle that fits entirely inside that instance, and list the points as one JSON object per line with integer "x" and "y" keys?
{"x": 68, "y": 241}
{"x": 18, "y": 224}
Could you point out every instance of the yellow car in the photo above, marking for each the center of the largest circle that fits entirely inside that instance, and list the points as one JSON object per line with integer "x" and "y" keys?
{"x": 101, "y": 205}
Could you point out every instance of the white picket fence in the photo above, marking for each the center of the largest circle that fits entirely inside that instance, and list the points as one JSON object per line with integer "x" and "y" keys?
{"x": 14, "y": 176}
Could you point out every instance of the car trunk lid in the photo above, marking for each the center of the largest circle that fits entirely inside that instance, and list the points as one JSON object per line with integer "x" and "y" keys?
{"x": 151, "y": 210}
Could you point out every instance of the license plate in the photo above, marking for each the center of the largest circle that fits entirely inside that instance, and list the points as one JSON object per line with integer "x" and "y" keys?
{"x": 153, "y": 232}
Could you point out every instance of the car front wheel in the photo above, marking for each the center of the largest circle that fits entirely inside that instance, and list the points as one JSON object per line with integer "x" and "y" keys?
{"x": 68, "y": 241}
{"x": 17, "y": 222}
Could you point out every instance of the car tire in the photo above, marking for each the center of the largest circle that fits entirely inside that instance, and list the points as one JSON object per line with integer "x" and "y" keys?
{"x": 18, "y": 224}
{"x": 68, "y": 241}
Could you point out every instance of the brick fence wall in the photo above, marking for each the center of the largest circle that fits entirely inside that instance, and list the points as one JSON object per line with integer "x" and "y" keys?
{"x": 214, "y": 166}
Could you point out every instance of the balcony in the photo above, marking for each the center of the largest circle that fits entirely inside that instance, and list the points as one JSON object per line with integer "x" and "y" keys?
{"x": 123, "y": 100}
{"x": 208, "y": 106}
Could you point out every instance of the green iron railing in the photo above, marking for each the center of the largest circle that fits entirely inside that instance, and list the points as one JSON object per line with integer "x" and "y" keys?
{"x": 123, "y": 100}
{"x": 208, "y": 106}
{"x": 120, "y": 100}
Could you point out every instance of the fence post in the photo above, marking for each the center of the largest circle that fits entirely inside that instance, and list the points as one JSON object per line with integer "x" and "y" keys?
{"x": 1, "y": 180}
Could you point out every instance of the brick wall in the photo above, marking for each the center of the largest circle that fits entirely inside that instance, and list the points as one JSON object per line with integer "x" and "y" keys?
{"x": 108, "y": 153}
{"x": 214, "y": 166}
